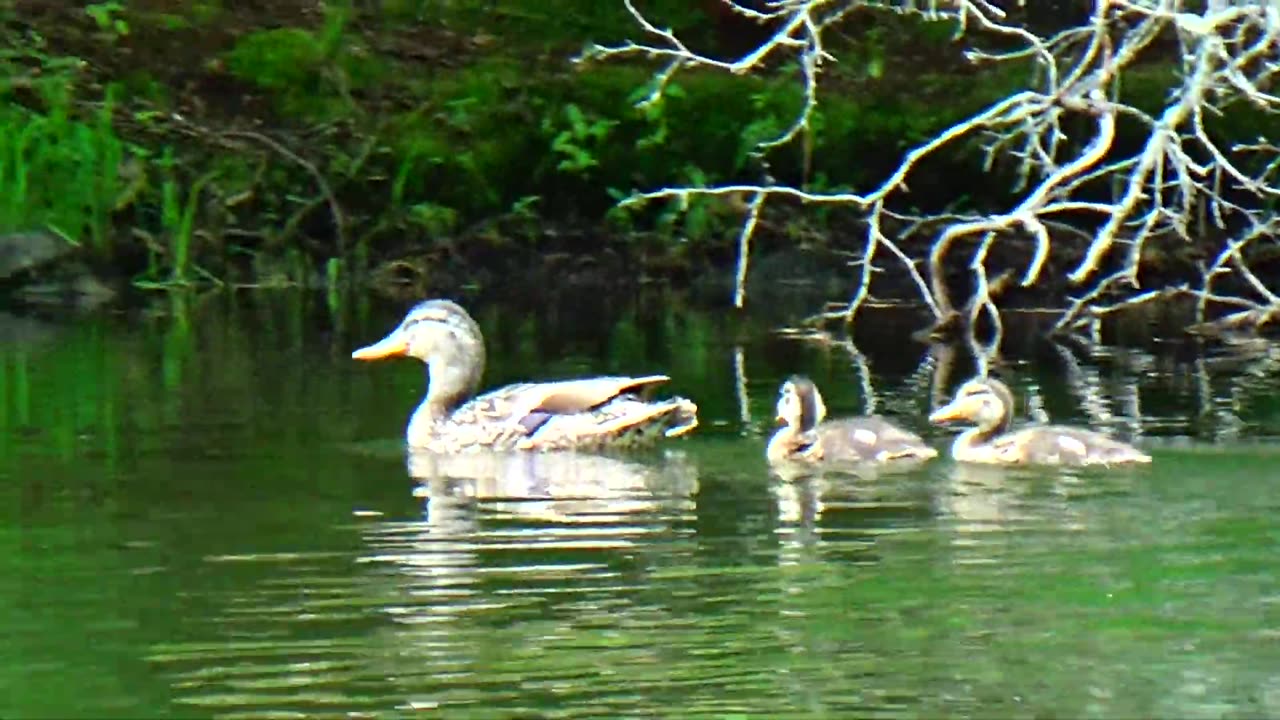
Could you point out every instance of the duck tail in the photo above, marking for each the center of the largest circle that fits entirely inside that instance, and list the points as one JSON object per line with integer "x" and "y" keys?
{"x": 682, "y": 416}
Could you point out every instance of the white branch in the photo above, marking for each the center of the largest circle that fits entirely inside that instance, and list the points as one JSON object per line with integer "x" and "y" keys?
{"x": 1180, "y": 184}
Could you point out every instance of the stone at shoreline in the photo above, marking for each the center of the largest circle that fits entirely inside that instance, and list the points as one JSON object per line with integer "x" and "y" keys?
{"x": 22, "y": 252}
{"x": 39, "y": 268}
{"x": 72, "y": 285}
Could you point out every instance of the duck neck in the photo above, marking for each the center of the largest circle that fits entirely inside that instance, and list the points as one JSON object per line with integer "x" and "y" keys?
{"x": 453, "y": 377}
{"x": 788, "y": 442}
{"x": 976, "y": 436}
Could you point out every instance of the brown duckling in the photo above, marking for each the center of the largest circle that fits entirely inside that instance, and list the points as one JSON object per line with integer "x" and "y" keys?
{"x": 988, "y": 404}
{"x": 807, "y": 436}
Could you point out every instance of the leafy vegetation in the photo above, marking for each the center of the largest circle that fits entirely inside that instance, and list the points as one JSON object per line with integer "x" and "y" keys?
{"x": 190, "y": 143}
{"x": 61, "y": 172}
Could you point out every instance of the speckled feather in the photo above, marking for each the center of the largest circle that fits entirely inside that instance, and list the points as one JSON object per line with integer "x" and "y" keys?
{"x": 1061, "y": 445}
{"x": 506, "y": 419}
{"x": 989, "y": 403}
{"x": 585, "y": 413}
{"x": 872, "y": 439}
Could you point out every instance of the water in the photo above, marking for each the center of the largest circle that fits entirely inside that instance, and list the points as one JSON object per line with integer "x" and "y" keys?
{"x": 207, "y": 515}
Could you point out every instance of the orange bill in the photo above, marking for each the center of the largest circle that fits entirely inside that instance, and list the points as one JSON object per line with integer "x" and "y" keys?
{"x": 955, "y": 410}
{"x": 393, "y": 344}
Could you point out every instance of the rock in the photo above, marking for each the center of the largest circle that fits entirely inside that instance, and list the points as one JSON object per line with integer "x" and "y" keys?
{"x": 40, "y": 268}
{"x": 71, "y": 284}
{"x": 24, "y": 252}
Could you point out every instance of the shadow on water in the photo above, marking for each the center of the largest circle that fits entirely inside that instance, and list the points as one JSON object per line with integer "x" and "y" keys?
{"x": 209, "y": 514}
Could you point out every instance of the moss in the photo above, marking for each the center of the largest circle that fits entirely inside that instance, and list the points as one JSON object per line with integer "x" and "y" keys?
{"x": 487, "y": 135}
{"x": 309, "y": 74}
{"x": 474, "y": 175}
{"x": 538, "y": 23}
{"x": 1148, "y": 87}
{"x": 469, "y": 141}
{"x": 235, "y": 173}
{"x": 280, "y": 59}
{"x": 401, "y": 10}
{"x": 1151, "y": 88}
{"x": 203, "y": 12}
{"x": 140, "y": 84}
{"x": 488, "y": 84}
{"x": 164, "y": 21}
{"x": 363, "y": 69}
{"x": 175, "y": 15}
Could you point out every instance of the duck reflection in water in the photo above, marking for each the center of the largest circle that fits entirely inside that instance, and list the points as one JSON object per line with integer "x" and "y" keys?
{"x": 529, "y": 509}
{"x": 560, "y": 487}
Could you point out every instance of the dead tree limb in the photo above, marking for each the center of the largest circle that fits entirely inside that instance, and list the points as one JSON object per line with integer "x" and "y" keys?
{"x": 1182, "y": 183}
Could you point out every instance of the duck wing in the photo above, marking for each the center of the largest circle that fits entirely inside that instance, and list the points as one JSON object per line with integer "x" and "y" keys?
{"x": 621, "y": 421}
{"x": 575, "y": 413}
{"x": 1062, "y": 445}
{"x": 561, "y": 397}
{"x": 871, "y": 438}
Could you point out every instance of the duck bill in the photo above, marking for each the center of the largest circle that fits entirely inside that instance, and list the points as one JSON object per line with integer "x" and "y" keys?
{"x": 779, "y": 420}
{"x": 389, "y": 346}
{"x": 950, "y": 412}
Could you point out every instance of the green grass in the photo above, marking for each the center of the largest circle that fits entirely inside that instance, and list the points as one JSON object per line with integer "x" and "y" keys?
{"x": 60, "y": 173}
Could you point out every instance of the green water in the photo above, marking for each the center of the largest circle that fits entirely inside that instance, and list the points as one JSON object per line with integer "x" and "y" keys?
{"x": 206, "y": 515}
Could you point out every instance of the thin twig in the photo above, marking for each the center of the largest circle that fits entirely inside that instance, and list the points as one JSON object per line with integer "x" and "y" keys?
{"x": 339, "y": 219}
{"x": 1179, "y": 182}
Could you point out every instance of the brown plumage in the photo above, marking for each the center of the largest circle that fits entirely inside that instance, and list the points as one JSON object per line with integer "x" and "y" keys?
{"x": 807, "y": 436}
{"x": 587, "y": 413}
{"x": 988, "y": 404}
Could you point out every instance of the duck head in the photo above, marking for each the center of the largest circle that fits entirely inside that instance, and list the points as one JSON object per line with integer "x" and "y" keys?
{"x": 445, "y": 337}
{"x": 798, "y": 412}
{"x": 800, "y": 405}
{"x": 985, "y": 402}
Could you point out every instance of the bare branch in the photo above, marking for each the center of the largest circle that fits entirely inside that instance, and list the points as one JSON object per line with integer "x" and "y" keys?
{"x": 744, "y": 248}
{"x": 1180, "y": 183}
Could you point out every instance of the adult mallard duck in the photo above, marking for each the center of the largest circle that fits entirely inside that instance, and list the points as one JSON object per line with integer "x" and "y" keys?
{"x": 584, "y": 414}
{"x": 988, "y": 404}
{"x": 807, "y": 436}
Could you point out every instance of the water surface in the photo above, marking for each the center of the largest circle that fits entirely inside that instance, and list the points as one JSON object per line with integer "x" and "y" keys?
{"x": 207, "y": 514}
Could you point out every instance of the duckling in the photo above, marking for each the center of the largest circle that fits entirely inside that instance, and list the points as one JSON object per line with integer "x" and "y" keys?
{"x": 988, "y": 404}
{"x": 806, "y": 436}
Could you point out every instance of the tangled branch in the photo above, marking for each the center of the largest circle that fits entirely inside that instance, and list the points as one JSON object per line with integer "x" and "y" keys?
{"x": 1091, "y": 203}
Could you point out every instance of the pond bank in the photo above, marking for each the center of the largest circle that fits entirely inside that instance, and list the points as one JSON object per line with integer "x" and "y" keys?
{"x": 388, "y": 149}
